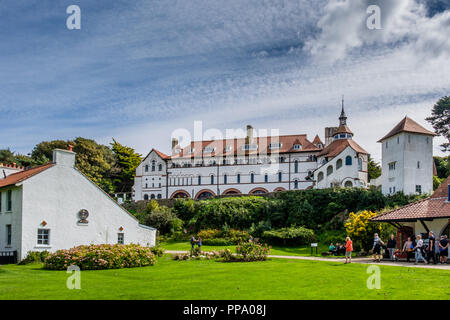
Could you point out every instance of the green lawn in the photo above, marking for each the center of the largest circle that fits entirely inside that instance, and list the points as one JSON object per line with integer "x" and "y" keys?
{"x": 276, "y": 250}
{"x": 273, "y": 279}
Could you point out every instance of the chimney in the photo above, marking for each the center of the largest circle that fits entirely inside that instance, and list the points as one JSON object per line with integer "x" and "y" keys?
{"x": 249, "y": 139}
{"x": 65, "y": 158}
{"x": 174, "y": 143}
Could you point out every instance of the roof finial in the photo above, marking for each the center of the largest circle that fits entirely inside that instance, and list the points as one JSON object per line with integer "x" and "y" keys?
{"x": 343, "y": 117}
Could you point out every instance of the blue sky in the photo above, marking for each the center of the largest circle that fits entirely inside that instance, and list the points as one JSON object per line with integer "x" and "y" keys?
{"x": 136, "y": 71}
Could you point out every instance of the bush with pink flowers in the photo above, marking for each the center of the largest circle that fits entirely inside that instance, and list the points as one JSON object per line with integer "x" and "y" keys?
{"x": 104, "y": 256}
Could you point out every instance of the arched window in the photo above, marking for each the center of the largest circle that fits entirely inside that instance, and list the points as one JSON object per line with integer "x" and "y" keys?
{"x": 329, "y": 170}
{"x": 225, "y": 179}
{"x": 348, "y": 184}
{"x": 145, "y": 196}
{"x": 159, "y": 196}
{"x": 280, "y": 176}
{"x": 153, "y": 165}
{"x": 320, "y": 176}
{"x": 338, "y": 164}
{"x": 348, "y": 160}
{"x": 199, "y": 180}
{"x": 295, "y": 184}
{"x": 152, "y": 196}
{"x": 146, "y": 168}
{"x": 296, "y": 166}
{"x": 212, "y": 179}
{"x": 266, "y": 178}
{"x": 252, "y": 177}
{"x": 359, "y": 164}
{"x": 239, "y": 178}
{"x": 160, "y": 167}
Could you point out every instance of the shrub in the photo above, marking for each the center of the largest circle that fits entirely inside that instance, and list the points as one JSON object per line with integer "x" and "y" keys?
{"x": 224, "y": 237}
{"x": 104, "y": 256}
{"x": 361, "y": 230}
{"x": 217, "y": 242}
{"x": 183, "y": 256}
{"x": 290, "y": 236}
{"x": 157, "y": 251}
{"x": 209, "y": 234}
{"x": 252, "y": 251}
{"x": 35, "y": 257}
{"x": 164, "y": 220}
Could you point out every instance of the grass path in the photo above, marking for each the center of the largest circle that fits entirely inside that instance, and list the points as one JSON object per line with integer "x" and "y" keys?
{"x": 201, "y": 279}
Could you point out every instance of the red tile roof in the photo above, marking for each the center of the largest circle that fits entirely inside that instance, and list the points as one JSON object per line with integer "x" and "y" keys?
{"x": 343, "y": 129}
{"x": 337, "y": 146}
{"x": 317, "y": 140}
{"x": 287, "y": 146}
{"x": 433, "y": 207}
{"x": 162, "y": 155}
{"x": 407, "y": 125}
{"x": 23, "y": 175}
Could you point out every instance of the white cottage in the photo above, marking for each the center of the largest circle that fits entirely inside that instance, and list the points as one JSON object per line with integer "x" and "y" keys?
{"x": 55, "y": 206}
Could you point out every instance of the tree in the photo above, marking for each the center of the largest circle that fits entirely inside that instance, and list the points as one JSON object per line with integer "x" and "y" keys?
{"x": 361, "y": 230}
{"x": 442, "y": 166}
{"x": 374, "y": 169}
{"x": 7, "y": 156}
{"x": 43, "y": 152}
{"x": 440, "y": 120}
{"x": 127, "y": 161}
{"x": 95, "y": 161}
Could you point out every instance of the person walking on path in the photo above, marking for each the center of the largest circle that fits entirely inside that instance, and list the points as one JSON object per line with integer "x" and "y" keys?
{"x": 193, "y": 241}
{"x": 418, "y": 249}
{"x": 431, "y": 247}
{"x": 348, "y": 250}
{"x": 443, "y": 249}
{"x": 407, "y": 248}
{"x": 377, "y": 243}
{"x": 391, "y": 247}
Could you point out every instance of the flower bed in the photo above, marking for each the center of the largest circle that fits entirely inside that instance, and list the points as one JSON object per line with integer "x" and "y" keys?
{"x": 104, "y": 256}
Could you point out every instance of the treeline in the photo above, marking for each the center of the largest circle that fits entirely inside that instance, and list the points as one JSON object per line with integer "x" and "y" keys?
{"x": 322, "y": 210}
{"x": 110, "y": 167}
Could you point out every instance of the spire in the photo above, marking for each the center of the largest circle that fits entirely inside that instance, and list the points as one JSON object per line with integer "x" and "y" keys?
{"x": 343, "y": 117}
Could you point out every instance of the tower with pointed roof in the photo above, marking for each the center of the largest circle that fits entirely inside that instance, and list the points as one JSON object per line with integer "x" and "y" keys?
{"x": 407, "y": 159}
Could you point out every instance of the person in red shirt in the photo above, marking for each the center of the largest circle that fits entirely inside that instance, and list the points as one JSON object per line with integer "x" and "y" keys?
{"x": 348, "y": 250}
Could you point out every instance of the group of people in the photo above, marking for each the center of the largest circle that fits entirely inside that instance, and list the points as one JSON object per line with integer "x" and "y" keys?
{"x": 196, "y": 241}
{"x": 436, "y": 248}
{"x": 346, "y": 249}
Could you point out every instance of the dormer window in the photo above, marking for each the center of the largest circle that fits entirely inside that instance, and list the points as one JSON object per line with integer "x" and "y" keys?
{"x": 275, "y": 146}
{"x": 209, "y": 149}
{"x": 297, "y": 147}
{"x": 249, "y": 147}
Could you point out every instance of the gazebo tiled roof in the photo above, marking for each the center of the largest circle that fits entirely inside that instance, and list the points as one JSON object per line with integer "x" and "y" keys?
{"x": 436, "y": 206}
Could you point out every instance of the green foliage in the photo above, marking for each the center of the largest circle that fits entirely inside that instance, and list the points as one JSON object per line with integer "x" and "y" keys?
{"x": 247, "y": 252}
{"x": 162, "y": 218}
{"x": 215, "y": 237}
{"x": 437, "y": 182}
{"x": 35, "y": 257}
{"x": 157, "y": 251}
{"x": 440, "y": 120}
{"x": 373, "y": 169}
{"x": 127, "y": 161}
{"x": 104, "y": 256}
{"x": 442, "y": 166}
{"x": 290, "y": 236}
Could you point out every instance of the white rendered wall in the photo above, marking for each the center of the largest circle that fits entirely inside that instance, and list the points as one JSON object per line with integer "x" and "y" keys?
{"x": 13, "y": 217}
{"x": 345, "y": 173}
{"x": 57, "y": 195}
{"x": 407, "y": 149}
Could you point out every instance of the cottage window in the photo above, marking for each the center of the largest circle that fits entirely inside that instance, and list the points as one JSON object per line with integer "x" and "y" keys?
{"x": 359, "y": 164}
{"x": 145, "y": 196}
{"x": 146, "y": 168}
{"x": 392, "y": 166}
{"x": 329, "y": 170}
{"x": 199, "y": 180}
{"x": 225, "y": 178}
{"x": 152, "y": 196}
{"x": 252, "y": 178}
{"x": 9, "y": 201}
{"x": 418, "y": 164}
{"x": 419, "y": 189}
{"x": 296, "y": 166}
{"x": 320, "y": 176}
{"x": 160, "y": 167}
{"x": 280, "y": 176}
{"x": 120, "y": 238}
{"x": 43, "y": 236}
{"x": 8, "y": 234}
{"x": 295, "y": 184}
{"x": 239, "y": 178}
{"x": 297, "y": 147}
{"x": 212, "y": 179}
{"x": 338, "y": 164}
{"x": 153, "y": 165}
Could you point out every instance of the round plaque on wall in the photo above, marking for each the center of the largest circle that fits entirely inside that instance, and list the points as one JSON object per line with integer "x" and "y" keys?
{"x": 83, "y": 214}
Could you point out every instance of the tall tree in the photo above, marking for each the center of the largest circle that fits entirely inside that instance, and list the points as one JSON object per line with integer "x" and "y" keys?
{"x": 127, "y": 161}
{"x": 7, "y": 156}
{"x": 440, "y": 120}
{"x": 442, "y": 166}
{"x": 43, "y": 151}
{"x": 374, "y": 169}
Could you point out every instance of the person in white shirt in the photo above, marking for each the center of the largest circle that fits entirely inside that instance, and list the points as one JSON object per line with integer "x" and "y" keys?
{"x": 418, "y": 249}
